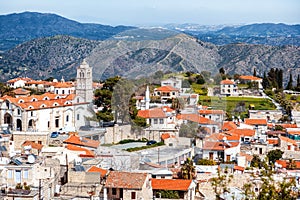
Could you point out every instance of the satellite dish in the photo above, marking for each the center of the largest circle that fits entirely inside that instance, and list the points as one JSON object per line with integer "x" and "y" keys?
{"x": 31, "y": 159}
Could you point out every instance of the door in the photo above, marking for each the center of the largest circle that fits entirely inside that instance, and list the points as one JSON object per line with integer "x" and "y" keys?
{"x": 211, "y": 155}
{"x": 18, "y": 176}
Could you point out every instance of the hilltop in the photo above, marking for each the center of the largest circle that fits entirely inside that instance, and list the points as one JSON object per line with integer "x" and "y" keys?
{"x": 60, "y": 55}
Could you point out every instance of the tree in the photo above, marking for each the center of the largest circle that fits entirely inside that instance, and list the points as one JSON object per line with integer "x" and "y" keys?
{"x": 290, "y": 83}
{"x": 298, "y": 83}
{"x": 220, "y": 183}
{"x": 274, "y": 155}
{"x": 221, "y": 70}
{"x": 254, "y": 72}
{"x": 188, "y": 170}
{"x": 256, "y": 162}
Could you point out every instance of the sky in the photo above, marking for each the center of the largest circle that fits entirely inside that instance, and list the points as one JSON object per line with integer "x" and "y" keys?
{"x": 159, "y": 12}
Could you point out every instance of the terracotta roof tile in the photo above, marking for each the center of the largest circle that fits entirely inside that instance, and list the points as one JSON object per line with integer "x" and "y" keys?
{"x": 33, "y": 145}
{"x": 250, "y": 78}
{"x": 287, "y": 125}
{"x": 76, "y": 140}
{"x": 88, "y": 153}
{"x": 21, "y": 91}
{"x": 239, "y": 168}
{"x": 273, "y": 141}
{"x": 18, "y": 79}
{"x": 219, "y": 146}
{"x": 206, "y": 112}
{"x": 251, "y": 121}
{"x": 152, "y": 113}
{"x": 228, "y": 125}
{"x": 166, "y": 88}
{"x": 243, "y": 132}
{"x": 102, "y": 172}
{"x": 227, "y": 82}
{"x": 126, "y": 180}
{"x": 195, "y": 118}
{"x": 171, "y": 184}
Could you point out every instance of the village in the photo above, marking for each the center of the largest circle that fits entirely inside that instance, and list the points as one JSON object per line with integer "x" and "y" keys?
{"x": 193, "y": 145}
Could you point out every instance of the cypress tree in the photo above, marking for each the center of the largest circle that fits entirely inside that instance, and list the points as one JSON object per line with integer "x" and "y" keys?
{"x": 254, "y": 72}
{"x": 290, "y": 83}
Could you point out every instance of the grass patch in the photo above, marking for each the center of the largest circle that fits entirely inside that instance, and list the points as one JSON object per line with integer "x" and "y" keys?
{"x": 232, "y": 105}
{"x": 199, "y": 89}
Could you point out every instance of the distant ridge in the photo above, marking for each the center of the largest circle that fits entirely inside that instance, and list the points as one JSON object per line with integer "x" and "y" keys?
{"x": 21, "y": 27}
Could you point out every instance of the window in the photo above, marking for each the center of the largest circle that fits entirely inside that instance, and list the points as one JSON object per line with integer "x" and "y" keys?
{"x": 25, "y": 174}
{"x": 10, "y": 173}
{"x": 63, "y": 91}
{"x": 155, "y": 121}
{"x": 78, "y": 116}
{"x": 19, "y": 112}
{"x": 133, "y": 195}
{"x": 31, "y": 114}
{"x": 173, "y": 93}
{"x": 114, "y": 191}
{"x": 67, "y": 118}
{"x": 56, "y": 123}
{"x": 48, "y": 124}
{"x": 161, "y": 121}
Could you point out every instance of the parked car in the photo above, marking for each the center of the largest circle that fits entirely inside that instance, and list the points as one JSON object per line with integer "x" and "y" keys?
{"x": 150, "y": 142}
{"x": 67, "y": 129}
{"x": 54, "y": 134}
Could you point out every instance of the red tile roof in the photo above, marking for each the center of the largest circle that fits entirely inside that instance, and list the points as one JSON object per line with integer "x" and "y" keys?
{"x": 250, "y": 121}
{"x": 227, "y": 82}
{"x": 152, "y": 113}
{"x": 33, "y": 145}
{"x": 17, "y": 79}
{"x": 243, "y": 132}
{"x": 165, "y": 136}
{"x": 228, "y": 125}
{"x": 166, "y": 88}
{"x": 102, "y": 172}
{"x": 287, "y": 125}
{"x": 228, "y": 136}
{"x": 76, "y": 140}
{"x": 206, "y": 112}
{"x": 88, "y": 153}
{"x": 239, "y": 168}
{"x": 171, "y": 184}
{"x": 273, "y": 141}
{"x": 126, "y": 180}
{"x": 250, "y": 78}
{"x": 219, "y": 146}
{"x": 283, "y": 163}
{"x": 195, "y": 118}
{"x": 21, "y": 91}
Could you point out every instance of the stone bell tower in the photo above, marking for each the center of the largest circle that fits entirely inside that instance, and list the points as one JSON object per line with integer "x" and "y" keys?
{"x": 84, "y": 82}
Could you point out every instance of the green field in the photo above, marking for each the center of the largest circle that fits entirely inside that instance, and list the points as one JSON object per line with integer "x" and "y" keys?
{"x": 237, "y": 106}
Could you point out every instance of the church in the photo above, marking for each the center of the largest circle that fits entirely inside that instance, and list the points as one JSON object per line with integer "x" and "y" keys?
{"x": 50, "y": 111}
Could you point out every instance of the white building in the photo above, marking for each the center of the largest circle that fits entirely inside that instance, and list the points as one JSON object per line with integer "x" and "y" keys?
{"x": 228, "y": 88}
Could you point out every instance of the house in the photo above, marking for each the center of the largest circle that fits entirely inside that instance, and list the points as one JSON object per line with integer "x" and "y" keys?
{"x": 286, "y": 143}
{"x": 18, "y": 82}
{"x": 228, "y": 125}
{"x": 228, "y": 88}
{"x": 155, "y": 117}
{"x": 212, "y": 126}
{"x": 246, "y": 79}
{"x": 19, "y": 92}
{"x": 269, "y": 115}
{"x": 175, "y": 82}
{"x": 186, "y": 189}
{"x": 215, "y": 115}
{"x": 128, "y": 185}
{"x": 166, "y": 92}
{"x": 245, "y": 134}
{"x": 221, "y": 147}
{"x": 259, "y": 125}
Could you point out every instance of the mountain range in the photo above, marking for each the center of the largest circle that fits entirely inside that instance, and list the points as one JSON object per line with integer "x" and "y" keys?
{"x": 43, "y": 45}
